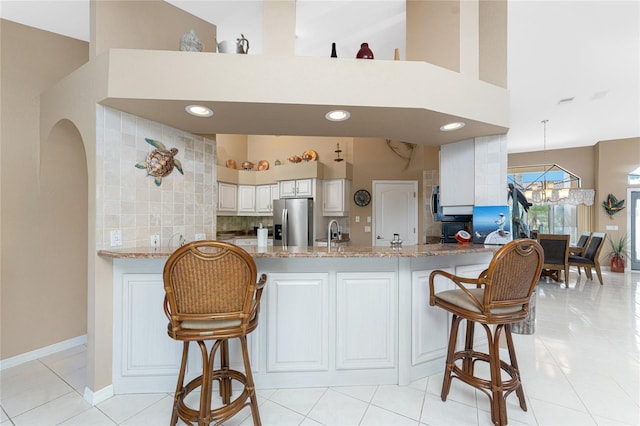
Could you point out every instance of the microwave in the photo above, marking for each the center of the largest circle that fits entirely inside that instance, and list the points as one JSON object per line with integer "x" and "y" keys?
{"x": 436, "y": 210}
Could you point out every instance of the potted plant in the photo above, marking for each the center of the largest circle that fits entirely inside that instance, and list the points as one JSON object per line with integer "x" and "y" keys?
{"x": 618, "y": 250}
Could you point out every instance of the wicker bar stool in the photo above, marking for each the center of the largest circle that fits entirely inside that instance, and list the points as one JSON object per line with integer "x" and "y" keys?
{"x": 499, "y": 296}
{"x": 211, "y": 294}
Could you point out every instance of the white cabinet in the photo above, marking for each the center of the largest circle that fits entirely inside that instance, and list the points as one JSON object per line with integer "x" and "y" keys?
{"x": 429, "y": 324}
{"x": 298, "y": 322}
{"x": 246, "y": 199}
{"x": 336, "y": 197}
{"x": 457, "y": 177}
{"x": 479, "y": 335}
{"x": 366, "y": 320}
{"x": 297, "y": 188}
{"x": 275, "y": 194}
{"x": 227, "y": 197}
{"x": 145, "y": 358}
{"x": 146, "y": 349}
{"x": 265, "y": 194}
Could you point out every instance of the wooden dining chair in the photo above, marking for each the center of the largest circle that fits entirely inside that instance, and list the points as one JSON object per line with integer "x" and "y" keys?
{"x": 580, "y": 244}
{"x": 556, "y": 255}
{"x": 590, "y": 257}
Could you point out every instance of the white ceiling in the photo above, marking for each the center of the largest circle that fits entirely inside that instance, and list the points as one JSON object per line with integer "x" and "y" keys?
{"x": 585, "y": 50}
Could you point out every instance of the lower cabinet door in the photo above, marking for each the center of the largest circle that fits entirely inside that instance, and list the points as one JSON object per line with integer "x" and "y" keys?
{"x": 366, "y": 320}
{"x": 479, "y": 333}
{"x": 297, "y": 322}
{"x": 146, "y": 349}
{"x": 429, "y": 324}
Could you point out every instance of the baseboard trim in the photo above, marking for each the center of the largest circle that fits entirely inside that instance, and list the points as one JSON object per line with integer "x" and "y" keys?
{"x": 42, "y": 352}
{"x": 95, "y": 398}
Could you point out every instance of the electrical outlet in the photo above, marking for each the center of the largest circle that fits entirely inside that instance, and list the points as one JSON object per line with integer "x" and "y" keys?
{"x": 199, "y": 237}
{"x": 368, "y": 219}
{"x": 116, "y": 238}
{"x": 154, "y": 241}
{"x": 357, "y": 219}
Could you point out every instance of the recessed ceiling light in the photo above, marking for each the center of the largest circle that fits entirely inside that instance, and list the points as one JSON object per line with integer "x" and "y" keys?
{"x": 198, "y": 110}
{"x": 452, "y": 126}
{"x": 337, "y": 115}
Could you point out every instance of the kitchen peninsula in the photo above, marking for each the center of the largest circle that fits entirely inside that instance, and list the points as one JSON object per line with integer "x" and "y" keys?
{"x": 341, "y": 316}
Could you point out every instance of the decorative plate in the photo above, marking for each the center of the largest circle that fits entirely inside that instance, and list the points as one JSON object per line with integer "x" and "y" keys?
{"x": 263, "y": 165}
{"x": 362, "y": 197}
{"x": 231, "y": 164}
{"x": 310, "y": 155}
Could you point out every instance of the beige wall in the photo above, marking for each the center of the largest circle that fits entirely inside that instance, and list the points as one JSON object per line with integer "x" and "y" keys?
{"x": 374, "y": 160}
{"x": 144, "y": 25}
{"x": 493, "y": 42}
{"x": 579, "y": 161}
{"x": 43, "y": 197}
{"x": 433, "y": 32}
{"x": 615, "y": 159}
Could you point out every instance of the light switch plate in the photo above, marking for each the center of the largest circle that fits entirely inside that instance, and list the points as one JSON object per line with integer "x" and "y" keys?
{"x": 612, "y": 227}
{"x": 154, "y": 241}
{"x": 116, "y": 238}
{"x": 357, "y": 219}
{"x": 367, "y": 229}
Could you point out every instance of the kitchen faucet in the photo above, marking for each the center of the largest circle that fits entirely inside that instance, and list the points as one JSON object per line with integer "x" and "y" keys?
{"x": 331, "y": 223}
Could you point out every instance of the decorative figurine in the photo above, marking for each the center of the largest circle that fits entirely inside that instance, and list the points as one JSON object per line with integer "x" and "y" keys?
{"x": 189, "y": 42}
{"x": 160, "y": 161}
{"x": 242, "y": 44}
{"x": 364, "y": 52}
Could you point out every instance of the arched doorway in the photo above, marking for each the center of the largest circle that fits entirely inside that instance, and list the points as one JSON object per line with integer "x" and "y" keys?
{"x": 63, "y": 229}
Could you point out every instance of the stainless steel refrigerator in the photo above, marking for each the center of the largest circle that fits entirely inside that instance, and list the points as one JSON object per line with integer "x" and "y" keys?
{"x": 293, "y": 222}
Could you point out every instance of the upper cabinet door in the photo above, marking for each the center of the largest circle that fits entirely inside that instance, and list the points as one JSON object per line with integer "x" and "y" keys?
{"x": 246, "y": 199}
{"x": 227, "y": 196}
{"x": 287, "y": 188}
{"x": 264, "y": 202}
{"x": 335, "y": 193}
{"x": 457, "y": 177}
{"x": 304, "y": 188}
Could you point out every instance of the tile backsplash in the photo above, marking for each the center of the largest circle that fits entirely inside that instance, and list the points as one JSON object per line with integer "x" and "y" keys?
{"x": 240, "y": 223}
{"x": 127, "y": 199}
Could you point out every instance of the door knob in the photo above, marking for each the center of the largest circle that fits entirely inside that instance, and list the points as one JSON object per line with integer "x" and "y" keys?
{"x": 380, "y": 237}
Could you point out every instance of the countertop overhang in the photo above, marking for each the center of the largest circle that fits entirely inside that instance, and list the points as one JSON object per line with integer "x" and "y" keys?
{"x": 317, "y": 252}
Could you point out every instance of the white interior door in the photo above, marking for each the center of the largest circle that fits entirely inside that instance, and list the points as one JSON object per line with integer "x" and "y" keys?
{"x": 395, "y": 211}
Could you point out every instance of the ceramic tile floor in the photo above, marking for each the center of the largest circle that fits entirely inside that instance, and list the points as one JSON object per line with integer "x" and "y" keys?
{"x": 580, "y": 367}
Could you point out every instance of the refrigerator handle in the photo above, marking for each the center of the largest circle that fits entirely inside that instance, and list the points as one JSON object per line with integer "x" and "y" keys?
{"x": 285, "y": 227}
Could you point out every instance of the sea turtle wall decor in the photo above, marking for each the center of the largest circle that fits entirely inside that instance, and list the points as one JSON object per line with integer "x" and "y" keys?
{"x": 160, "y": 162}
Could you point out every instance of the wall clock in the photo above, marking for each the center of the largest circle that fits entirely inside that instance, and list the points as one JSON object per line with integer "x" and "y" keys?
{"x": 362, "y": 197}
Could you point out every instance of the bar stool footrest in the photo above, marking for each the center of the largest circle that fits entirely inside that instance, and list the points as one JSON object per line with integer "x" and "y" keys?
{"x": 484, "y": 385}
{"x": 219, "y": 414}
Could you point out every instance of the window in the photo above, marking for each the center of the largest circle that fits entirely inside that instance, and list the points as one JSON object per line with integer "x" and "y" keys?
{"x": 554, "y": 219}
{"x": 545, "y": 187}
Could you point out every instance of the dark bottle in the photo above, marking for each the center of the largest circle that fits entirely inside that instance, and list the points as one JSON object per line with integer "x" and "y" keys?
{"x": 334, "y": 53}
{"x": 364, "y": 52}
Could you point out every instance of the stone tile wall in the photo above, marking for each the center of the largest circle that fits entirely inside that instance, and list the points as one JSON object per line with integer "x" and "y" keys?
{"x": 129, "y": 200}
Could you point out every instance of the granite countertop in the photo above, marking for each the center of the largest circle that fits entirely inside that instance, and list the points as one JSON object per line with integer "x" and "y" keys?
{"x": 317, "y": 252}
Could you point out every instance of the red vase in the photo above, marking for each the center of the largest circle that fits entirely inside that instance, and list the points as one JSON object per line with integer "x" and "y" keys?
{"x": 364, "y": 52}
{"x": 617, "y": 263}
